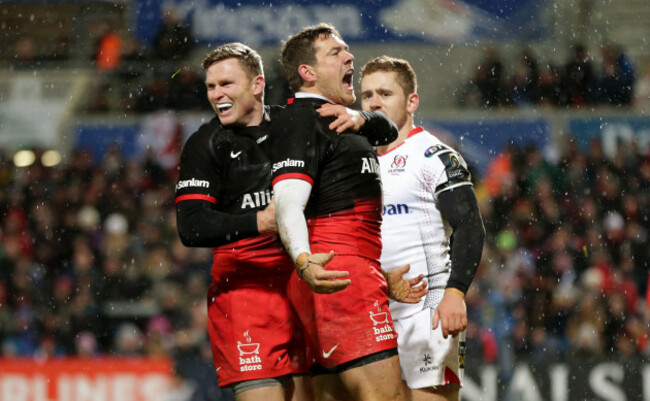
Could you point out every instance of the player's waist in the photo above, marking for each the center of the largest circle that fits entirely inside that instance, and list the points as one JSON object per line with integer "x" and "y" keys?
{"x": 400, "y": 310}
{"x": 263, "y": 252}
{"x": 355, "y": 231}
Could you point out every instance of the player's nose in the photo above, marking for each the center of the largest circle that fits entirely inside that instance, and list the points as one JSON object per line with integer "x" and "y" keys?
{"x": 218, "y": 93}
{"x": 375, "y": 104}
{"x": 349, "y": 57}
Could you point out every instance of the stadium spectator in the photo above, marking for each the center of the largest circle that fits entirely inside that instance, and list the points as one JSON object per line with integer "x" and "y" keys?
{"x": 523, "y": 87}
{"x": 25, "y": 56}
{"x": 489, "y": 78}
{"x": 108, "y": 47}
{"x": 617, "y": 77}
{"x": 551, "y": 92}
{"x": 579, "y": 78}
{"x": 642, "y": 88}
{"x": 173, "y": 40}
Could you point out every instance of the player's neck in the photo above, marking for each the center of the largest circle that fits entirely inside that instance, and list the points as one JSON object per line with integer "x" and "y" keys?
{"x": 311, "y": 91}
{"x": 257, "y": 115}
{"x": 402, "y": 134}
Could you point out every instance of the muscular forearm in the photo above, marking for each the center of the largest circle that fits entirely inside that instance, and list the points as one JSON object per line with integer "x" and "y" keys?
{"x": 460, "y": 208}
{"x": 378, "y": 129}
{"x": 201, "y": 226}
{"x": 291, "y": 197}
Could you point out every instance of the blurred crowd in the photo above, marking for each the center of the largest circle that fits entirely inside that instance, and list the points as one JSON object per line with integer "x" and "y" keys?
{"x": 166, "y": 75}
{"x": 90, "y": 262}
{"x": 91, "y": 265}
{"x": 143, "y": 79}
{"x": 566, "y": 262}
{"x": 577, "y": 83}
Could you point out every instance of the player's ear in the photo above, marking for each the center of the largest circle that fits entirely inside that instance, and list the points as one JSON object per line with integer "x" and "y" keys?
{"x": 258, "y": 85}
{"x": 307, "y": 73}
{"x": 412, "y": 102}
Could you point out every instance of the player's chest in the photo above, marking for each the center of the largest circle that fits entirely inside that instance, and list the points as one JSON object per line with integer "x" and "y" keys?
{"x": 244, "y": 162}
{"x": 398, "y": 167}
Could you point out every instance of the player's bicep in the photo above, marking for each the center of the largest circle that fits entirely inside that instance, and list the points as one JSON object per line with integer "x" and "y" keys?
{"x": 199, "y": 175}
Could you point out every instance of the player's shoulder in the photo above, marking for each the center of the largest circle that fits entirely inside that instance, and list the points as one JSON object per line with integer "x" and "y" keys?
{"x": 210, "y": 137}
{"x": 294, "y": 117}
{"x": 273, "y": 111}
{"x": 425, "y": 144}
{"x": 437, "y": 154}
{"x": 206, "y": 131}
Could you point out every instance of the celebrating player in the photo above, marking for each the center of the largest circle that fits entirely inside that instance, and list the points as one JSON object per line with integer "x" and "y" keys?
{"x": 328, "y": 210}
{"x": 223, "y": 200}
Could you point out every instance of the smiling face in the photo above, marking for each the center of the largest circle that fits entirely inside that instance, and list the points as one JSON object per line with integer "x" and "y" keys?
{"x": 234, "y": 95}
{"x": 333, "y": 70}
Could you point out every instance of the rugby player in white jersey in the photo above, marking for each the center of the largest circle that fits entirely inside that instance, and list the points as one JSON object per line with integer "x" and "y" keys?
{"x": 431, "y": 220}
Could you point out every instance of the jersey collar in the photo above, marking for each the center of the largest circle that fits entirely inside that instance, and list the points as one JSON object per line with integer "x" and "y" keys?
{"x": 414, "y": 131}
{"x": 302, "y": 95}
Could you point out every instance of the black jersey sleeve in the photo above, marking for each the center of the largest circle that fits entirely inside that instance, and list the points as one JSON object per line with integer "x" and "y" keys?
{"x": 460, "y": 208}
{"x": 199, "y": 222}
{"x": 378, "y": 129}
{"x": 199, "y": 225}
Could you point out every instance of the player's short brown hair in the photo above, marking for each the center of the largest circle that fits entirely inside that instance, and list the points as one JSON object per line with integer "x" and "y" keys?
{"x": 248, "y": 58}
{"x": 406, "y": 77}
{"x": 299, "y": 49}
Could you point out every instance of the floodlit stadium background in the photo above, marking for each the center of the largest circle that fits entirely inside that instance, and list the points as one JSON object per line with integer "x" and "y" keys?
{"x": 98, "y": 298}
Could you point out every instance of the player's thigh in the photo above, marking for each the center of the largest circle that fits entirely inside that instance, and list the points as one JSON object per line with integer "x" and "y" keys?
{"x": 380, "y": 380}
{"x": 301, "y": 389}
{"x": 329, "y": 387}
{"x": 450, "y": 392}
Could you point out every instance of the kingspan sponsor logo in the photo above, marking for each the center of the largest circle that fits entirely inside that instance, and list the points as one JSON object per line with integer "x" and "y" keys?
{"x": 192, "y": 182}
{"x": 288, "y": 163}
{"x": 400, "y": 208}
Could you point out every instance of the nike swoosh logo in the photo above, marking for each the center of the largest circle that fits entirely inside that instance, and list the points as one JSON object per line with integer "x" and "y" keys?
{"x": 234, "y": 155}
{"x": 327, "y": 354}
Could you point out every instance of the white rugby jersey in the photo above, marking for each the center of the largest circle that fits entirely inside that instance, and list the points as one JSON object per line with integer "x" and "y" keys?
{"x": 413, "y": 232}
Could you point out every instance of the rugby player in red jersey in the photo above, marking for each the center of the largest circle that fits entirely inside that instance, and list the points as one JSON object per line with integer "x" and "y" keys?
{"x": 224, "y": 201}
{"x": 328, "y": 209}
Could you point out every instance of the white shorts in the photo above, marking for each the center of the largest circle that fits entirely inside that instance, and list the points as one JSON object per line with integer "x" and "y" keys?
{"x": 426, "y": 358}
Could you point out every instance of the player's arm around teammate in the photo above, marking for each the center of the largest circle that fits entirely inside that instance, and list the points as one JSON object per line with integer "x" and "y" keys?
{"x": 328, "y": 197}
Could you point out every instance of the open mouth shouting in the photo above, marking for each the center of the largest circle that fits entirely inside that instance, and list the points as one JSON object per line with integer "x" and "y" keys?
{"x": 347, "y": 80}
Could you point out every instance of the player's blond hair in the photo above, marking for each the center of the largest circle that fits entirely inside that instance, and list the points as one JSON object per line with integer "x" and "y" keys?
{"x": 299, "y": 49}
{"x": 406, "y": 77}
{"x": 249, "y": 59}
